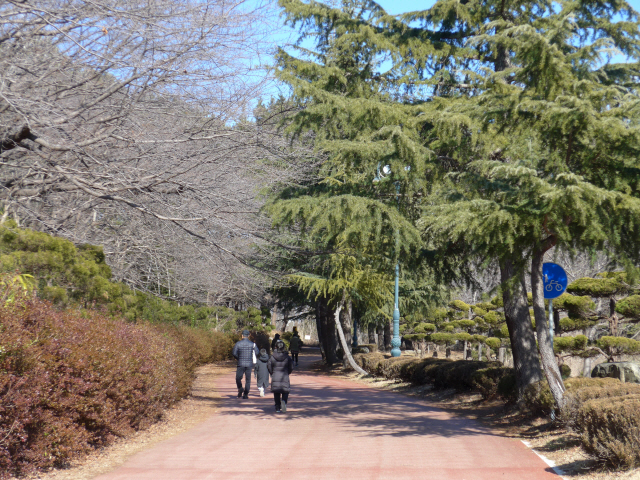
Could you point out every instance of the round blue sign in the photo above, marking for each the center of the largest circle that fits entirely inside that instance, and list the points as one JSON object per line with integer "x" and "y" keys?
{"x": 555, "y": 280}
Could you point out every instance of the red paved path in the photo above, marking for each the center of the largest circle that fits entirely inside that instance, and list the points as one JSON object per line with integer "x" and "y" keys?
{"x": 334, "y": 429}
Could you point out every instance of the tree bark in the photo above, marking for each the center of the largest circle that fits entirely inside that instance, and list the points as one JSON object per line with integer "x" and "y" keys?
{"x": 516, "y": 310}
{"x": 549, "y": 363}
{"x": 329, "y": 338}
{"x": 371, "y": 330}
{"x": 346, "y": 319}
{"x": 319, "y": 330}
{"x": 345, "y": 347}
{"x": 387, "y": 337}
{"x": 380, "y": 338}
{"x": 479, "y": 352}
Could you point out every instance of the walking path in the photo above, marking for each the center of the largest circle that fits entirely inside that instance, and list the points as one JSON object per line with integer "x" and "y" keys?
{"x": 333, "y": 429}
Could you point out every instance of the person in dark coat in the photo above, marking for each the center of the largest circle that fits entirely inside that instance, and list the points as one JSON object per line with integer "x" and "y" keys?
{"x": 294, "y": 345}
{"x": 280, "y": 366}
{"x": 243, "y": 351}
{"x": 273, "y": 342}
{"x": 262, "y": 372}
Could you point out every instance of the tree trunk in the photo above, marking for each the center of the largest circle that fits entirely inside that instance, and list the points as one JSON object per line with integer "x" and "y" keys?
{"x": 345, "y": 347}
{"x": 387, "y": 337}
{"x": 501, "y": 351}
{"x": 556, "y": 321}
{"x": 380, "y": 338}
{"x": 319, "y": 330}
{"x": 346, "y": 319}
{"x": 479, "y": 352}
{"x": 613, "y": 318}
{"x": 464, "y": 354}
{"x": 549, "y": 363}
{"x": 329, "y": 338}
{"x": 516, "y": 310}
{"x": 371, "y": 330}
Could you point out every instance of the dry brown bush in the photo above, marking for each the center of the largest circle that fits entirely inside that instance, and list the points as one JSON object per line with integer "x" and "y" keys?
{"x": 610, "y": 429}
{"x": 73, "y": 380}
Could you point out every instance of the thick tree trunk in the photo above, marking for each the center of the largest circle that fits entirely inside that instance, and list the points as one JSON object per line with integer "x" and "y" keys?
{"x": 343, "y": 341}
{"x": 466, "y": 347}
{"x": 380, "y": 338}
{"x": 387, "y": 337}
{"x": 480, "y": 352}
{"x": 549, "y": 363}
{"x": 319, "y": 330}
{"x": 371, "y": 330}
{"x": 516, "y": 310}
{"x": 329, "y": 337}
{"x": 346, "y": 319}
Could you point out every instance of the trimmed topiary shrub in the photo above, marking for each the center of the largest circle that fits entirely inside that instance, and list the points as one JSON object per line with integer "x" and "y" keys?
{"x": 576, "y": 307}
{"x": 629, "y": 307}
{"x": 596, "y": 287}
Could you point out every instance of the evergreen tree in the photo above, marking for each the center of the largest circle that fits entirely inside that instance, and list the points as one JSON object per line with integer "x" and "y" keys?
{"x": 359, "y": 230}
{"x": 555, "y": 163}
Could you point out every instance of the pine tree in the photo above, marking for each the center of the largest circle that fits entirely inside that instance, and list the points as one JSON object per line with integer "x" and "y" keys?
{"x": 359, "y": 230}
{"x": 556, "y": 162}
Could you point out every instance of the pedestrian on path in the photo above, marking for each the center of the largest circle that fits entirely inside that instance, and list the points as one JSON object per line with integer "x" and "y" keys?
{"x": 280, "y": 366}
{"x": 273, "y": 342}
{"x": 262, "y": 372}
{"x": 245, "y": 351}
{"x": 294, "y": 346}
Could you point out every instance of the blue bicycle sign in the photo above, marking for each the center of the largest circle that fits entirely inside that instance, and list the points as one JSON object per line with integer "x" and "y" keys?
{"x": 555, "y": 280}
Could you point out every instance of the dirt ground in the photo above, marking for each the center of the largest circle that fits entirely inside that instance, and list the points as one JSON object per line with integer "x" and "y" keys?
{"x": 189, "y": 412}
{"x": 547, "y": 439}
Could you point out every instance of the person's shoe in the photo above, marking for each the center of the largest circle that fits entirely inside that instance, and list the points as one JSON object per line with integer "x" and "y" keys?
{"x": 245, "y": 396}
{"x": 278, "y": 411}
{"x": 240, "y": 394}
{"x": 284, "y": 406}
{"x": 261, "y": 391}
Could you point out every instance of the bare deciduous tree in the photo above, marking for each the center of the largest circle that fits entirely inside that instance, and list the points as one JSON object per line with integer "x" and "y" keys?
{"x": 124, "y": 124}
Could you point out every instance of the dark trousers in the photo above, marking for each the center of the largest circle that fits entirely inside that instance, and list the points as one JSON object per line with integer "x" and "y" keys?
{"x": 285, "y": 399}
{"x": 294, "y": 356}
{"x": 246, "y": 371}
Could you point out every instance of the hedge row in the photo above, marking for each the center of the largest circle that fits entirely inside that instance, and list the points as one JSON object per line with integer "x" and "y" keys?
{"x": 74, "y": 380}
{"x": 603, "y": 411}
{"x": 489, "y": 378}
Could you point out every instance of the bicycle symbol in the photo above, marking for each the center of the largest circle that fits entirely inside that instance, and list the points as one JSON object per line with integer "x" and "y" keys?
{"x": 550, "y": 286}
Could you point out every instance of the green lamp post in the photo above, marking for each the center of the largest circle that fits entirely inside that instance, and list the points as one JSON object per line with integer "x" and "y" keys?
{"x": 395, "y": 341}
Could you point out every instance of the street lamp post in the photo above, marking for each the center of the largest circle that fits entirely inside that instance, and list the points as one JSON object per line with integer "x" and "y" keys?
{"x": 395, "y": 341}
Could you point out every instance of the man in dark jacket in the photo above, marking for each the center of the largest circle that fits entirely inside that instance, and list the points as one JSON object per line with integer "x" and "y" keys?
{"x": 273, "y": 342}
{"x": 280, "y": 366}
{"x": 243, "y": 351}
{"x": 294, "y": 346}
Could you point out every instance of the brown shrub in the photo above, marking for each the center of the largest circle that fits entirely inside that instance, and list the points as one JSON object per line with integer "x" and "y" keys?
{"x": 442, "y": 373}
{"x": 74, "y": 380}
{"x": 610, "y": 429}
{"x": 488, "y": 380}
{"x": 370, "y": 362}
{"x": 392, "y": 367}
